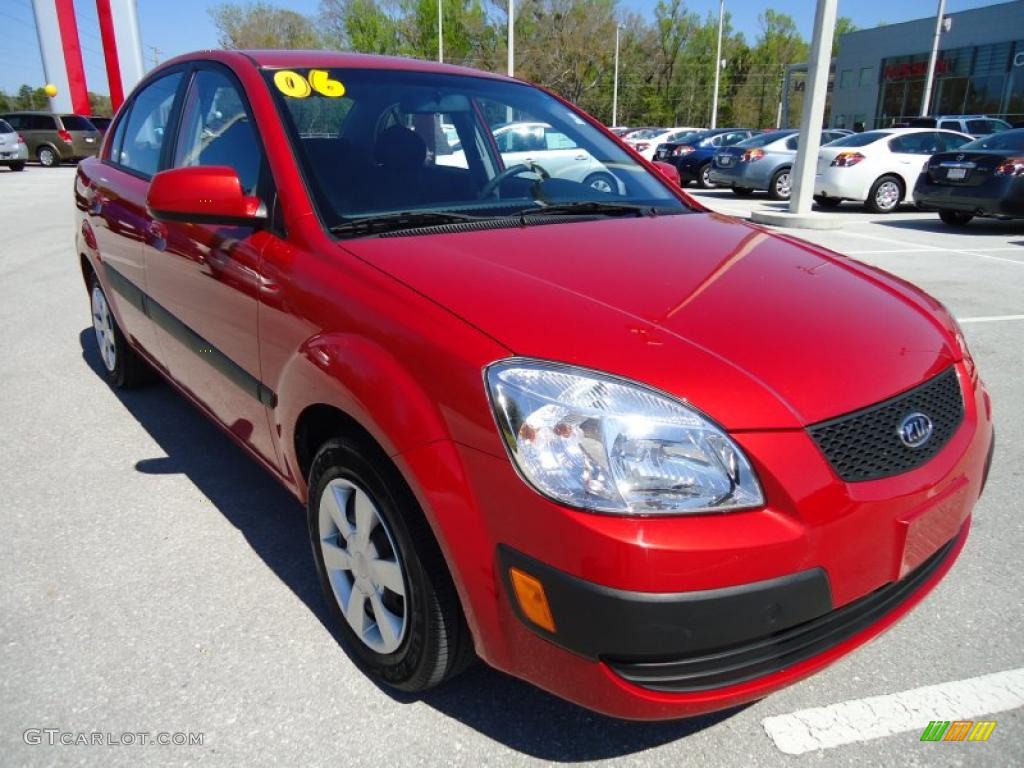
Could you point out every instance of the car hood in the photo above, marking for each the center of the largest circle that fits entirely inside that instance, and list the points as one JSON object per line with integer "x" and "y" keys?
{"x": 756, "y": 329}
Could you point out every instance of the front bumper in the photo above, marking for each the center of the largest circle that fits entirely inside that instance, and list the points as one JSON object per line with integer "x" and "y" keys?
{"x": 643, "y": 608}
{"x": 995, "y": 197}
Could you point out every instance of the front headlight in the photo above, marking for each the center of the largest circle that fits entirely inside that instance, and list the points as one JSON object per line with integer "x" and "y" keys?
{"x": 601, "y": 443}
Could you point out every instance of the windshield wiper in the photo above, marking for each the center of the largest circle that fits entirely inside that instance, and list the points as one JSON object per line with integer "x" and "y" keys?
{"x": 590, "y": 208}
{"x": 390, "y": 222}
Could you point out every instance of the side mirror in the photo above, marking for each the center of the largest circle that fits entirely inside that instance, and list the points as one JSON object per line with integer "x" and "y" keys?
{"x": 209, "y": 194}
{"x": 669, "y": 171}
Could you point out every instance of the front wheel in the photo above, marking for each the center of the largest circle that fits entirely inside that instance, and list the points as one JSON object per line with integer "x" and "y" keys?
{"x": 382, "y": 571}
{"x": 48, "y": 157}
{"x": 602, "y": 182}
{"x": 955, "y": 218}
{"x": 885, "y": 195}
{"x": 704, "y": 176}
{"x": 122, "y": 366}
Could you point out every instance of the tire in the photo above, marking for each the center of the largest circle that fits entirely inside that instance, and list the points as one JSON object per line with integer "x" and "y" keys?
{"x": 122, "y": 366}
{"x": 48, "y": 157}
{"x": 780, "y": 187}
{"x": 602, "y": 182}
{"x": 742, "y": 191}
{"x": 885, "y": 195}
{"x": 430, "y": 642}
{"x": 955, "y": 218}
{"x": 827, "y": 202}
{"x": 704, "y": 176}
{"x": 18, "y": 166}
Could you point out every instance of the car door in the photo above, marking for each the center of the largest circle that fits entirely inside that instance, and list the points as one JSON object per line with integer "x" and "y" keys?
{"x": 204, "y": 279}
{"x": 563, "y": 158}
{"x": 116, "y": 204}
{"x": 908, "y": 153}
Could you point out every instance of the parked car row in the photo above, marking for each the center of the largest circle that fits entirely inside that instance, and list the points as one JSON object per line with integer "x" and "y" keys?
{"x": 50, "y": 138}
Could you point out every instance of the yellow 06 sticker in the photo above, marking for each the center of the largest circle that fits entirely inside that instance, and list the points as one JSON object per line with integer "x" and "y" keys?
{"x": 293, "y": 84}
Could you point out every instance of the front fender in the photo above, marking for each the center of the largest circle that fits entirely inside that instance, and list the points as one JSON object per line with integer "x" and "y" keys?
{"x": 362, "y": 379}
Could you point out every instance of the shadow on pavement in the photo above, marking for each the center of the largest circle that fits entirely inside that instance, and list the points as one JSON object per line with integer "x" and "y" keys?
{"x": 518, "y": 715}
{"x": 930, "y": 222}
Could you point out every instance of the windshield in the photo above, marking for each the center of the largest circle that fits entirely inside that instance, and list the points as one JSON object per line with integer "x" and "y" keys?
{"x": 860, "y": 139}
{"x": 375, "y": 142}
{"x": 1012, "y": 140}
{"x": 764, "y": 139}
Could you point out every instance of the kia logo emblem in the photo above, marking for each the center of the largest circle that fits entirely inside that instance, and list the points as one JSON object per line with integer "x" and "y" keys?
{"x": 915, "y": 430}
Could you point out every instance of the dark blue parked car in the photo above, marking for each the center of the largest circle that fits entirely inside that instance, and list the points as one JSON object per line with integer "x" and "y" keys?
{"x": 692, "y": 154}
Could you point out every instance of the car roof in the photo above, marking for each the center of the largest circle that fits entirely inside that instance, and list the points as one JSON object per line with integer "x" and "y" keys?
{"x": 280, "y": 59}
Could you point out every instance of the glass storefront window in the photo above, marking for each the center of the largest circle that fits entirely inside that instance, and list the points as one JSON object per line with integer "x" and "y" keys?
{"x": 984, "y": 95}
{"x": 866, "y": 75}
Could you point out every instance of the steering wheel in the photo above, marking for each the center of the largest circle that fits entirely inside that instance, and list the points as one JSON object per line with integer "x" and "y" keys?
{"x": 514, "y": 170}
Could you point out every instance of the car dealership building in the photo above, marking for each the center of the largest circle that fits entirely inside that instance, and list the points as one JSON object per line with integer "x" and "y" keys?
{"x": 880, "y": 73}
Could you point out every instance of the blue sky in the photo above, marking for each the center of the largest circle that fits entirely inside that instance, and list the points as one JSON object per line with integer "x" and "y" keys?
{"x": 177, "y": 26}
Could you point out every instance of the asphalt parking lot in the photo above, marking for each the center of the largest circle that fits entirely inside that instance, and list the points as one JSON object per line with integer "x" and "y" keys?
{"x": 155, "y": 580}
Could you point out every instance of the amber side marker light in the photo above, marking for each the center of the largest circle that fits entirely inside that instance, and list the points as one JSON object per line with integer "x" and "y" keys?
{"x": 531, "y": 598}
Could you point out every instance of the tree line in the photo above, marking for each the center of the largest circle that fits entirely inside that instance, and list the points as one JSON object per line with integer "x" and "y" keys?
{"x": 27, "y": 97}
{"x": 666, "y": 61}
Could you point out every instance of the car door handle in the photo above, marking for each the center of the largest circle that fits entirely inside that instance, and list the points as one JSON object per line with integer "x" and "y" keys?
{"x": 581, "y": 156}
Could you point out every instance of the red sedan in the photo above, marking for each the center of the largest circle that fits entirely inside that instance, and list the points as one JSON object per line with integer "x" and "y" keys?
{"x": 655, "y": 460}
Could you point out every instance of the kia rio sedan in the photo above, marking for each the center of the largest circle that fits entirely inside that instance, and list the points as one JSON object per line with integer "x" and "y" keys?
{"x": 652, "y": 459}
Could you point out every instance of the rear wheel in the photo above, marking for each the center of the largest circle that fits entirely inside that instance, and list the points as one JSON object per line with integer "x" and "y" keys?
{"x": 742, "y": 191}
{"x": 885, "y": 195}
{"x": 18, "y": 166}
{"x": 123, "y": 367}
{"x": 955, "y": 218}
{"x": 382, "y": 571}
{"x": 48, "y": 157}
{"x": 704, "y": 176}
{"x": 827, "y": 202}
{"x": 780, "y": 187}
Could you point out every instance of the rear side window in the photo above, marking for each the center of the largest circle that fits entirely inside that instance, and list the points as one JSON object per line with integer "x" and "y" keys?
{"x": 861, "y": 139}
{"x": 216, "y": 129}
{"x": 76, "y": 123}
{"x": 733, "y": 138}
{"x": 950, "y": 125}
{"x": 986, "y": 126}
{"x": 146, "y": 128}
{"x": 1011, "y": 140}
{"x": 39, "y": 123}
{"x": 5, "y": 127}
{"x": 924, "y": 143}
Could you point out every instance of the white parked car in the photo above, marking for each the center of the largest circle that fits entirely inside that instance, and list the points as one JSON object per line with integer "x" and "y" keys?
{"x": 13, "y": 152}
{"x": 553, "y": 151}
{"x": 878, "y": 168}
{"x": 648, "y": 146}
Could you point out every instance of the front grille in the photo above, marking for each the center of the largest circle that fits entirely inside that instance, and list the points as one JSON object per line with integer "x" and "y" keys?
{"x": 866, "y": 444}
{"x": 770, "y": 654}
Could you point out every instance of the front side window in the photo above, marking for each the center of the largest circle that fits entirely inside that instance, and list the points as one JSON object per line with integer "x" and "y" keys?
{"x": 146, "y": 131}
{"x": 987, "y": 126}
{"x": 216, "y": 129}
{"x": 380, "y": 142}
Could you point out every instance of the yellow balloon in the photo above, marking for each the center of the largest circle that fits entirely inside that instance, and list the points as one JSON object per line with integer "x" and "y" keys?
{"x": 50, "y": 90}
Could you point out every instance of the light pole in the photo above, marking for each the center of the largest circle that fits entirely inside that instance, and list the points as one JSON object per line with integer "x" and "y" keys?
{"x": 440, "y": 32}
{"x": 615, "y": 87}
{"x": 718, "y": 65}
{"x": 511, "y": 40}
{"x": 927, "y": 96}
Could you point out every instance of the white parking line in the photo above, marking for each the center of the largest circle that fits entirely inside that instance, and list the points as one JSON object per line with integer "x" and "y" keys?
{"x": 906, "y": 247}
{"x": 871, "y": 718}
{"x": 989, "y": 319}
